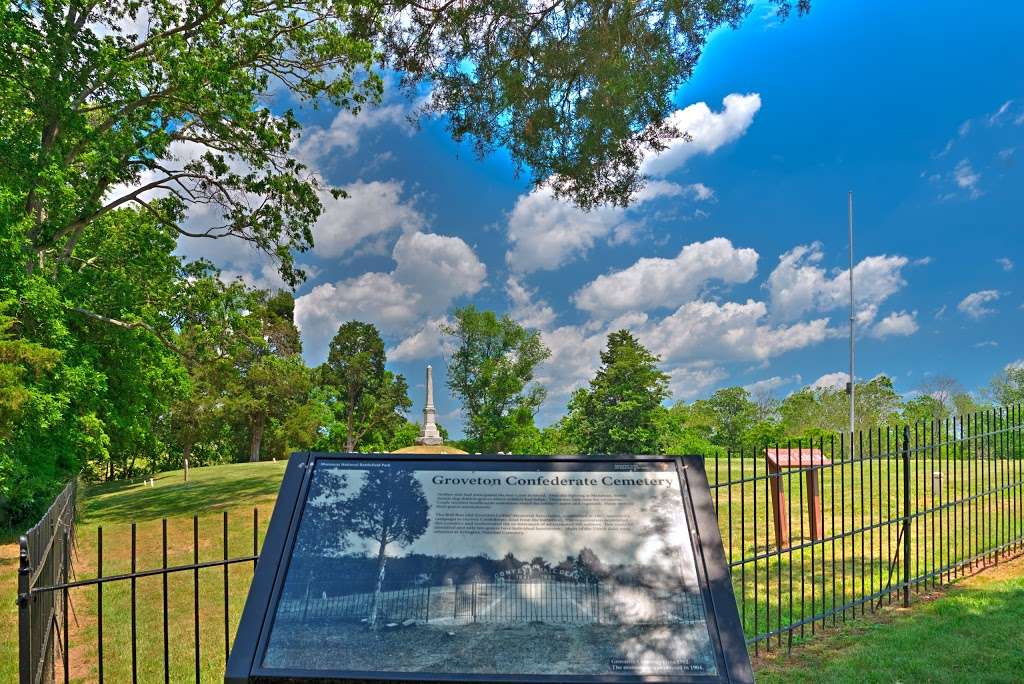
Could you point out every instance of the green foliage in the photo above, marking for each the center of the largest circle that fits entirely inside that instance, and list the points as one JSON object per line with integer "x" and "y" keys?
{"x": 577, "y": 92}
{"x": 731, "y": 415}
{"x": 491, "y": 371}
{"x": 362, "y": 396}
{"x": 90, "y": 120}
{"x": 828, "y": 409}
{"x": 682, "y": 430}
{"x": 1007, "y": 387}
{"x": 617, "y": 414}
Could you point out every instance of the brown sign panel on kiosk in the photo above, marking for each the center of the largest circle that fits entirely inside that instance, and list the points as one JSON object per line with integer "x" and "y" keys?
{"x": 497, "y": 569}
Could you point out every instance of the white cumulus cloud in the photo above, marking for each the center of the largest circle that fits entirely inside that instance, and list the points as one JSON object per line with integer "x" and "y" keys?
{"x": 835, "y": 380}
{"x": 799, "y": 284}
{"x": 657, "y": 282}
{"x": 431, "y": 271}
{"x": 545, "y": 232}
{"x": 372, "y": 209}
{"x": 425, "y": 343}
{"x": 897, "y": 323}
{"x": 975, "y": 305}
{"x": 694, "y": 380}
{"x": 708, "y": 131}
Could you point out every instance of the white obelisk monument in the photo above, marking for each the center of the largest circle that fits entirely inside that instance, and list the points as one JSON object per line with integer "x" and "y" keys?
{"x": 429, "y": 436}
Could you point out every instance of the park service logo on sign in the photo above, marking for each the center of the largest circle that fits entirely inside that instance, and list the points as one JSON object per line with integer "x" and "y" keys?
{"x": 502, "y": 569}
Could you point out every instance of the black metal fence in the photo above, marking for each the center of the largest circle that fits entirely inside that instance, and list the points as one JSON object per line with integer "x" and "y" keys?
{"x": 862, "y": 522}
{"x": 45, "y": 561}
{"x": 536, "y": 600}
{"x": 867, "y": 521}
{"x": 47, "y": 592}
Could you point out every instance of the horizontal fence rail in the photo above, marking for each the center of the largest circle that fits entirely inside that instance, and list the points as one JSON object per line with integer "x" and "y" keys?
{"x": 820, "y": 532}
{"x": 815, "y": 534}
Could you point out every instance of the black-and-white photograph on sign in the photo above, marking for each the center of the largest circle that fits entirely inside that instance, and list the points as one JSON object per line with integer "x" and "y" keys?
{"x": 493, "y": 568}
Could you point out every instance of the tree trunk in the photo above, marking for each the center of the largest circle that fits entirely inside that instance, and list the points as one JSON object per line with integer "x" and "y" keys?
{"x": 381, "y": 561}
{"x": 350, "y": 436}
{"x": 186, "y": 451}
{"x": 255, "y": 437}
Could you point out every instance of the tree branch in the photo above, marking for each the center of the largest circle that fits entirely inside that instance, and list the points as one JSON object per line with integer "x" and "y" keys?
{"x": 130, "y": 326}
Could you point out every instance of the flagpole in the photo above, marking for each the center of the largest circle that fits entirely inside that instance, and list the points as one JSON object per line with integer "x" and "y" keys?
{"x": 852, "y": 382}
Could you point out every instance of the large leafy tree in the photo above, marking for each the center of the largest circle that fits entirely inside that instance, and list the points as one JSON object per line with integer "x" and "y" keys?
{"x": 113, "y": 105}
{"x": 577, "y": 91}
{"x": 1007, "y": 387}
{"x": 364, "y": 396}
{"x": 491, "y": 371}
{"x": 163, "y": 104}
{"x": 731, "y": 413}
{"x": 270, "y": 377}
{"x": 618, "y": 413}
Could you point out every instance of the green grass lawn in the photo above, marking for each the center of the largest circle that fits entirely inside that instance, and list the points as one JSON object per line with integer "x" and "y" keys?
{"x": 8, "y": 609}
{"x": 970, "y": 633}
{"x": 237, "y": 489}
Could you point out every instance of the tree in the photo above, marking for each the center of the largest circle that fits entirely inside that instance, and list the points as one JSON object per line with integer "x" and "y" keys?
{"x": 365, "y": 395}
{"x": 491, "y": 370}
{"x": 270, "y": 376}
{"x": 618, "y": 413}
{"x": 812, "y": 412}
{"x": 159, "y": 104}
{"x": 22, "y": 365}
{"x": 1007, "y": 387}
{"x": 389, "y": 508}
{"x": 732, "y": 414}
{"x": 683, "y": 431}
{"x": 924, "y": 408}
{"x": 578, "y": 92}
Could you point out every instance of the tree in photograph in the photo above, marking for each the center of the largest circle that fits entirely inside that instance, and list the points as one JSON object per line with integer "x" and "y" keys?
{"x": 390, "y": 508}
{"x": 366, "y": 397}
{"x": 490, "y": 371}
{"x": 618, "y": 413}
{"x": 161, "y": 104}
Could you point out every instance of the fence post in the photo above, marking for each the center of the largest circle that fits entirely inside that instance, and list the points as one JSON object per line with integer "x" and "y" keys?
{"x": 24, "y": 613}
{"x": 906, "y": 516}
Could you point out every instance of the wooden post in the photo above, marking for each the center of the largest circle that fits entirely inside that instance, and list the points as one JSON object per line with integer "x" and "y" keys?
{"x": 780, "y": 511}
{"x": 814, "y": 514}
{"x": 810, "y": 460}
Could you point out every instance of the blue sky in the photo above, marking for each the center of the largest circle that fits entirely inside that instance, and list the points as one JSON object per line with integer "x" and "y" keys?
{"x": 731, "y": 264}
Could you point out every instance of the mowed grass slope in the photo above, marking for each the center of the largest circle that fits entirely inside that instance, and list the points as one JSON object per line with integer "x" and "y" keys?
{"x": 211, "y": 493}
{"x": 970, "y": 633}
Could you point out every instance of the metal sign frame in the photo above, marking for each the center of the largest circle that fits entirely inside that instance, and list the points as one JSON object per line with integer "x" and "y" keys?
{"x": 244, "y": 664}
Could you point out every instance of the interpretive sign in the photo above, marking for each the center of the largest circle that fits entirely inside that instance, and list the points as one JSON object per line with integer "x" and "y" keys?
{"x": 499, "y": 568}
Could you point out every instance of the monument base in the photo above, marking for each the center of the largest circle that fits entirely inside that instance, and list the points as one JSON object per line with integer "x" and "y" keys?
{"x": 429, "y": 441}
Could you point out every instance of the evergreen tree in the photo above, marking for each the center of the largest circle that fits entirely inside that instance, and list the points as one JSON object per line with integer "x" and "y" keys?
{"x": 364, "y": 397}
{"x": 618, "y": 414}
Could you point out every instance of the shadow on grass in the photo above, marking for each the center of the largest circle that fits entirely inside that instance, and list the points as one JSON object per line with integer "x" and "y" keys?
{"x": 125, "y": 502}
{"x": 971, "y": 634}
